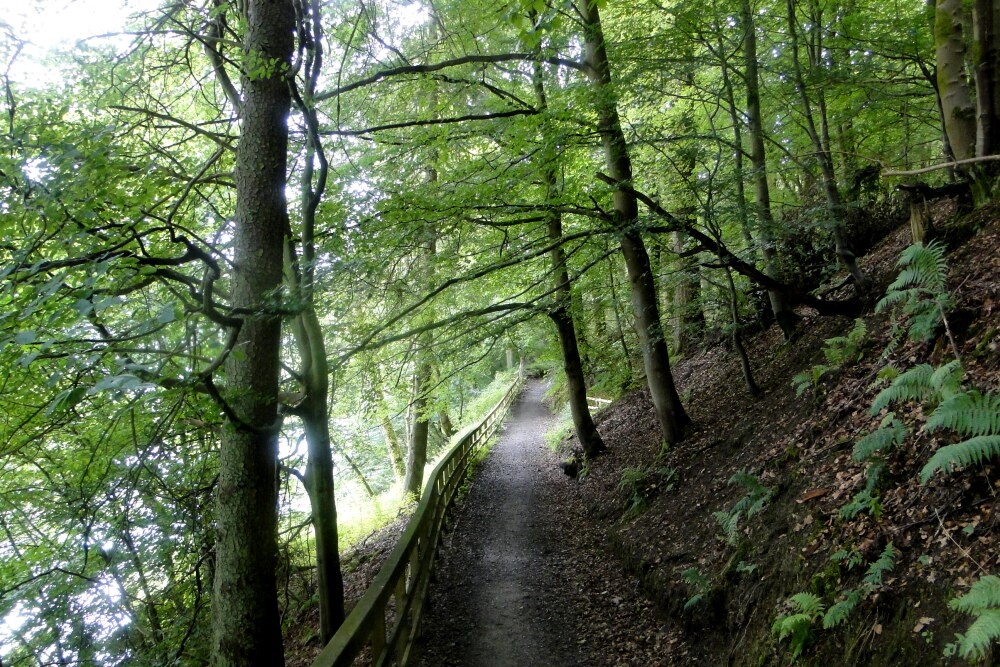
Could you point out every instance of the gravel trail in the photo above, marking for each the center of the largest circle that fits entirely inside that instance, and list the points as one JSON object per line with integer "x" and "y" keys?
{"x": 500, "y": 597}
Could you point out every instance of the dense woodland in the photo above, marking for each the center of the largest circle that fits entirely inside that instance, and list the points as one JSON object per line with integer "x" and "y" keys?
{"x": 264, "y": 257}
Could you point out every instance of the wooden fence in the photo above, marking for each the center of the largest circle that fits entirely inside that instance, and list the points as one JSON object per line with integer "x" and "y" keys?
{"x": 596, "y": 404}
{"x": 399, "y": 589}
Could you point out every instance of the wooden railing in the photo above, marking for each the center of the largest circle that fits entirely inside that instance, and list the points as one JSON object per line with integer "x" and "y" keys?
{"x": 596, "y": 404}
{"x": 387, "y": 617}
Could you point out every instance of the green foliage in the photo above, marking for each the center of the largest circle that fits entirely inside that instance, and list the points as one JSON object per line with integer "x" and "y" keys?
{"x": 796, "y": 625}
{"x": 983, "y": 602}
{"x": 920, "y": 292}
{"x": 866, "y": 500}
{"x": 961, "y": 454}
{"x": 967, "y": 413}
{"x": 883, "y": 565}
{"x": 807, "y": 609}
{"x": 640, "y": 483}
{"x": 890, "y": 433}
{"x": 839, "y": 351}
{"x": 756, "y": 498}
{"x": 913, "y": 385}
{"x": 698, "y": 583}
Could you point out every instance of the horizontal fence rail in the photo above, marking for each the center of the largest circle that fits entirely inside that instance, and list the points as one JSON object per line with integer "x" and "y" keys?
{"x": 388, "y": 614}
{"x": 596, "y": 404}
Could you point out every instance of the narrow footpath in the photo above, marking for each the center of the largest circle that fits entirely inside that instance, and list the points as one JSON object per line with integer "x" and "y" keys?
{"x": 499, "y": 599}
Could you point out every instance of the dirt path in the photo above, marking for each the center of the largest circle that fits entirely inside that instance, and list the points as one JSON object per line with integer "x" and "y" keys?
{"x": 501, "y": 597}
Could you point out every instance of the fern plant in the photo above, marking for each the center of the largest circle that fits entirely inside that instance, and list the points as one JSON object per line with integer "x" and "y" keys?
{"x": 698, "y": 583}
{"x": 973, "y": 415}
{"x": 796, "y": 626}
{"x": 639, "y": 483}
{"x": 920, "y": 291}
{"x": 752, "y": 503}
{"x": 809, "y": 609}
{"x": 867, "y": 499}
{"x": 838, "y": 351}
{"x": 983, "y": 602}
{"x": 890, "y": 432}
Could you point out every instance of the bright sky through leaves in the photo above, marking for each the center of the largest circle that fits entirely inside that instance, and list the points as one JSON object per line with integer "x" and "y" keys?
{"x": 44, "y": 26}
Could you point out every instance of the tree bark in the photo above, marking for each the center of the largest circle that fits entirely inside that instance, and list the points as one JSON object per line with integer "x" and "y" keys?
{"x": 987, "y": 70}
{"x": 688, "y": 318}
{"x": 392, "y": 444}
{"x": 246, "y": 630}
{"x": 783, "y": 313}
{"x": 956, "y": 99}
{"x": 821, "y": 142}
{"x": 314, "y": 371}
{"x": 416, "y": 451}
{"x": 561, "y": 312}
{"x": 666, "y": 402}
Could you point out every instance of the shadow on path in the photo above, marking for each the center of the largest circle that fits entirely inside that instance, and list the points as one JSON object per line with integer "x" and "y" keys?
{"x": 499, "y": 598}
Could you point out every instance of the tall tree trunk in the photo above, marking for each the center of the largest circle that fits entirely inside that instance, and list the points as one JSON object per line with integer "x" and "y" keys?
{"x": 246, "y": 630}
{"x": 561, "y": 312}
{"x": 666, "y": 402}
{"x": 742, "y": 213}
{"x": 416, "y": 451}
{"x": 987, "y": 69}
{"x": 393, "y": 445}
{"x": 821, "y": 142}
{"x": 314, "y": 371}
{"x": 416, "y": 455}
{"x": 783, "y": 313}
{"x": 688, "y": 317}
{"x": 956, "y": 99}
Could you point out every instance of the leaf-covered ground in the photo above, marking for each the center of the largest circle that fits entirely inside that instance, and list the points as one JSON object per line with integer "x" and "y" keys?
{"x": 800, "y": 448}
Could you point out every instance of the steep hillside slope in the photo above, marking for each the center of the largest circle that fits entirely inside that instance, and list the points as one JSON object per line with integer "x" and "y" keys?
{"x": 893, "y": 559}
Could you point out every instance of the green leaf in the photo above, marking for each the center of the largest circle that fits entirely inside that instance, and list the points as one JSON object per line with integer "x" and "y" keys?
{"x": 26, "y": 337}
{"x": 974, "y": 450}
{"x": 66, "y": 400}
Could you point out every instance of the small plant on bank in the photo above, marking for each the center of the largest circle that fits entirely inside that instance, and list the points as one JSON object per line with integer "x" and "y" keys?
{"x": 983, "y": 602}
{"x": 973, "y": 415}
{"x": 839, "y": 351}
{"x": 697, "y": 583}
{"x": 919, "y": 295}
{"x": 808, "y": 609}
{"x": 752, "y": 503}
{"x": 640, "y": 484}
{"x": 797, "y": 625}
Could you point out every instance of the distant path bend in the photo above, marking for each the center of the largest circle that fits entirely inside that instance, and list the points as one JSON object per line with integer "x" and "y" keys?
{"x": 500, "y": 599}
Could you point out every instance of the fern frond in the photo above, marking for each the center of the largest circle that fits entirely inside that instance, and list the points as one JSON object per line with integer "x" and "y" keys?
{"x": 968, "y": 413}
{"x": 894, "y": 298}
{"x": 747, "y": 480}
{"x": 927, "y": 262}
{"x": 791, "y": 624}
{"x": 947, "y": 379}
{"x": 984, "y": 595}
{"x": 884, "y": 564}
{"x": 975, "y": 643}
{"x": 913, "y": 385}
{"x": 808, "y": 603}
{"x": 890, "y": 432}
{"x": 967, "y": 452}
{"x": 838, "y": 613}
{"x": 729, "y": 522}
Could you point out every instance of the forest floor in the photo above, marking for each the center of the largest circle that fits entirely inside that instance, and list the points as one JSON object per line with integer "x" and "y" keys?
{"x": 629, "y": 565}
